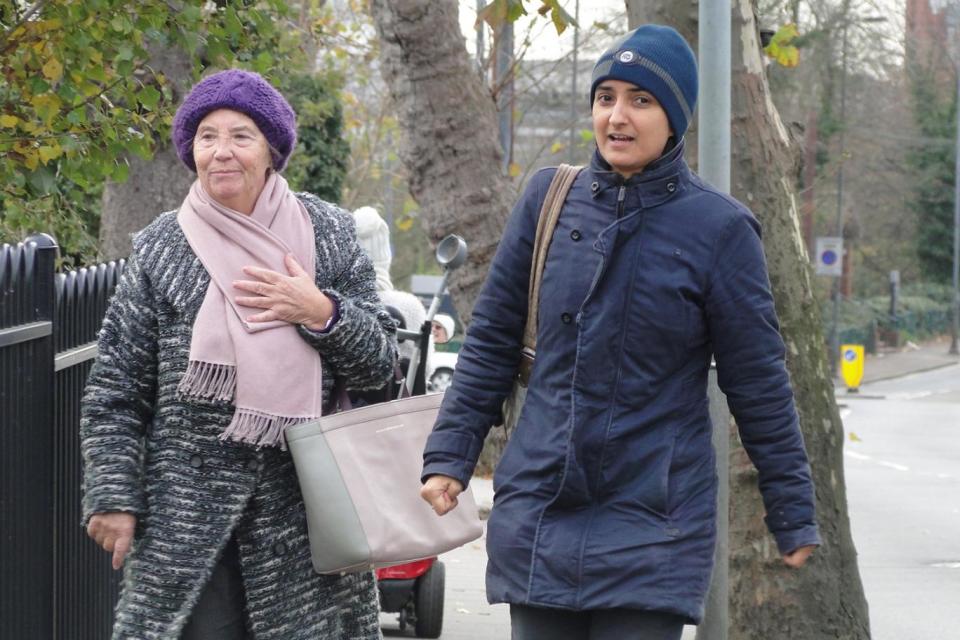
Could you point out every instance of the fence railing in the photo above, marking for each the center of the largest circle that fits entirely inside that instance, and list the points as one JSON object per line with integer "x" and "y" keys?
{"x": 54, "y": 582}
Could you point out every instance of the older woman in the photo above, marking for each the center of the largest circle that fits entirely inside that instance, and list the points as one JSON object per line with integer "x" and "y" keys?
{"x": 603, "y": 522}
{"x": 233, "y": 318}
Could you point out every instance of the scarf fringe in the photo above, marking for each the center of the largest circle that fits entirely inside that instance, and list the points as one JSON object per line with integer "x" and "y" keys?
{"x": 208, "y": 380}
{"x": 259, "y": 428}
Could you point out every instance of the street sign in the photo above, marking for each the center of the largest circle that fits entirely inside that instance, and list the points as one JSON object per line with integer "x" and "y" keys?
{"x": 851, "y": 365}
{"x": 829, "y": 256}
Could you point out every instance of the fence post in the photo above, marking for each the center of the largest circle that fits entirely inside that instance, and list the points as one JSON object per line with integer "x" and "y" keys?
{"x": 26, "y": 403}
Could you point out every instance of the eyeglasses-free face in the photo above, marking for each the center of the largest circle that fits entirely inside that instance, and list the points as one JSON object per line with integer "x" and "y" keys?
{"x": 630, "y": 126}
{"x": 232, "y": 157}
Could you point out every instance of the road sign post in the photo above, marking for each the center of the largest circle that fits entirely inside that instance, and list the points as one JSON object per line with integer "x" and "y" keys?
{"x": 829, "y": 256}
{"x": 829, "y": 261}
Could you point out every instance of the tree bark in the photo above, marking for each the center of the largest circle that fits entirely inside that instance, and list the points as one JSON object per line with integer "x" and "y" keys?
{"x": 449, "y": 146}
{"x": 449, "y": 126}
{"x": 824, "y": 599}
{"x": 153, "y": 186}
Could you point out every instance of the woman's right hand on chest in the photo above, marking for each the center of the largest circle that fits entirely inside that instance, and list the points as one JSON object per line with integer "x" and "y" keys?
{"x": 114, "y": 532}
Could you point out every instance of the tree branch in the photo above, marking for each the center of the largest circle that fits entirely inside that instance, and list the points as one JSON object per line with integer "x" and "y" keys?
{"x": 26, "y": 16}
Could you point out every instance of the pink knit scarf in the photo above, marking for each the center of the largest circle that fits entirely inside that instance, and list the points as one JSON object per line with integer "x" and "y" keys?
{"x": 270, "y": 373}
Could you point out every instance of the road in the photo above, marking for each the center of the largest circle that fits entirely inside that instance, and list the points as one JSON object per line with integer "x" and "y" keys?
{"x": 902, "y": 462}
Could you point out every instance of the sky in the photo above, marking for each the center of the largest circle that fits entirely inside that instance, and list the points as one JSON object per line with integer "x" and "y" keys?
{"x": 546, "y": 44}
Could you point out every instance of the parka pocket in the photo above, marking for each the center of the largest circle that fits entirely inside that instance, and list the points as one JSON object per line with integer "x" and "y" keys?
{"x": 637, "y": 474}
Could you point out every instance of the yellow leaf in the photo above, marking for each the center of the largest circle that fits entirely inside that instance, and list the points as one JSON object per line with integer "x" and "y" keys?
{"x": 9, "y": 122}
{"x": 780, "y": 48}
{"x": 854, "y": 437}
{"x": 88, "y": 89}
{"x": 43, "y": 26}
{"x": 31, "y": 159}
{"x": 557, "y": 147}
{"x": 405, "y": 224}
{"x": 53, "y": 70}
{"x": 514, "y": 170}
{"x": 51, "y": 152}
{"x": 789, "y": 57}
{"x": 47, "y": 106}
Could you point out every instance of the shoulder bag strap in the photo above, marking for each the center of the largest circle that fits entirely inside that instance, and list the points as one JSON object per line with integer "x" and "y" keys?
{"x": 549, "y": 214}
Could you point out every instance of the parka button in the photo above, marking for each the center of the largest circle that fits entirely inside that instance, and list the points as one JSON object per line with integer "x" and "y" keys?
{"x": 196, "y": 461}
{"x": 279, "y": 549}
{"x": 253, "y": 464}
{"x": 594, "y": 185}
{"x": 575, "y": 234}
{"x": 671, "y": 187}
{"x": 566, "y": 318}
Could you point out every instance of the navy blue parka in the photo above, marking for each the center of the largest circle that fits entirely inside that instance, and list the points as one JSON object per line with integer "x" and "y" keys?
{"x": 606, "y": 493}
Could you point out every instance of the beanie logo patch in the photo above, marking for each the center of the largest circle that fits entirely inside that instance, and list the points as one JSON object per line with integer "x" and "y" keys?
{"x": 626, "y": 57}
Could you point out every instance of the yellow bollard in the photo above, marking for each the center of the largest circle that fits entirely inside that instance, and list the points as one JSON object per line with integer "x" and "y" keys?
{"x": 851, "y": 366}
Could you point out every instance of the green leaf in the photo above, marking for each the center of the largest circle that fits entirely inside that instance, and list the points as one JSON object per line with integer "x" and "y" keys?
{"x": 120, "y": 172}
{"x": 42, "y": 181}
{"x": 515, "y": 9}
{"x": 263, "y": 62}
{"x": 232, "y": 23}
{"x": 149, "y": 97}
{"x": 77, "y": 117}
{"x": 38, "y": 85}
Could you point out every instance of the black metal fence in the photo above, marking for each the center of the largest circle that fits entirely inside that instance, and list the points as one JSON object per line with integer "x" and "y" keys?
{"x": 54, "y": 582}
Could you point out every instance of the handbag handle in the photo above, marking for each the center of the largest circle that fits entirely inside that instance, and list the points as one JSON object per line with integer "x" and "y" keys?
{"x": 549, "y": 215}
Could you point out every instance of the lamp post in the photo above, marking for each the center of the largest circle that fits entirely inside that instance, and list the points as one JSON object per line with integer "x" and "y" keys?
{"x": 834, "y": 326}
{"x": 575, "y": 98}
{"x": 955, "y": 311}
{"x": 955, "y": 307}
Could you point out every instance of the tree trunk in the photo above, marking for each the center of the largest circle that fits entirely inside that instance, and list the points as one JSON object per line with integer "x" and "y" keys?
{"x": 153, "y": 186}
{"x": 449, "y": 145}
{"x": 449, "y": 129}
{"x": 824, "y": 599}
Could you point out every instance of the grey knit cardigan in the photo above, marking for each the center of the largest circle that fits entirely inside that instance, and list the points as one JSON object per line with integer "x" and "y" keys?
{"x": 150, "y": 453}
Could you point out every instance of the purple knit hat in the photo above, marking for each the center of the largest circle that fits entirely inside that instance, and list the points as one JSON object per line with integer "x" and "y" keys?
{"x": 242, "y": 91}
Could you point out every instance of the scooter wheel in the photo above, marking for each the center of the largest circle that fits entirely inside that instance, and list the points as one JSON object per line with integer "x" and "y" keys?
{"x": 428, "y": 602}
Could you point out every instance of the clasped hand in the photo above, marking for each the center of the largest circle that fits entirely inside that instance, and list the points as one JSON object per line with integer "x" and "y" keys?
{"x": 441, "y": 493}
{"x": 293, "y": 298}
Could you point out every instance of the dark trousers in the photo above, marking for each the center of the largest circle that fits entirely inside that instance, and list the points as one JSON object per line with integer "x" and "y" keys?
{"x": 536, "y": 623}
{"x": 220, "y": 612}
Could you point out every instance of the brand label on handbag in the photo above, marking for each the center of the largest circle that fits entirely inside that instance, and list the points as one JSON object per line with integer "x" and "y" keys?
{"x": 396, "y": 426}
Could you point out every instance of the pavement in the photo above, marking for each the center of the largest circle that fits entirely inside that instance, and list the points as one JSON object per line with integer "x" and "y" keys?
{"x": 468, "y": 616}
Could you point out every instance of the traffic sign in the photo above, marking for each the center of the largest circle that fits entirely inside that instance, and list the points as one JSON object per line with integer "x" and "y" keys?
{"x": 851, "y": 365}
{"x": 829, "y": 256}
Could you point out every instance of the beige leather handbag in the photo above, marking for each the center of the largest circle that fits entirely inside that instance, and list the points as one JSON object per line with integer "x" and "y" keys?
{"x": 359, "y": 472}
